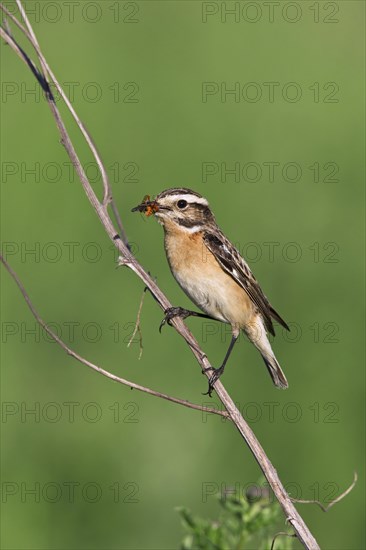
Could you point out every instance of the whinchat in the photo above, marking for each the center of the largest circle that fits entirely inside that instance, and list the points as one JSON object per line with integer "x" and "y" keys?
{"x": 213, "y": 274}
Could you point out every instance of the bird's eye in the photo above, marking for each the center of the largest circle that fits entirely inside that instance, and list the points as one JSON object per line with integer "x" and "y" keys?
{"x": 181, "y": 204}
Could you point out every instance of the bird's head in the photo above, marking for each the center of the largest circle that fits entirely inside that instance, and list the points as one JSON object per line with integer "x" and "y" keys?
{"x": 178, "y": 207}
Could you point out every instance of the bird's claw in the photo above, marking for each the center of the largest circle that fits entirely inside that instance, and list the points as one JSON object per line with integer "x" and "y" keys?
{"x": 213, "y": 379}
{"x": 172, "y": 312}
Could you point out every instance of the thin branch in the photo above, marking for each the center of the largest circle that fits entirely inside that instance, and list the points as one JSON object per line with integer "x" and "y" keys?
{"x": 15, "y": 20}
{"x": 108, "y": 196}
{"x": 281, "y": 534}
{"x": 333, "y": 502}
{"x": 102, "y": 371}
{"x": 137, "y": 324}
{"x": 293, "y": 517}
{"x": 4, "y": 33}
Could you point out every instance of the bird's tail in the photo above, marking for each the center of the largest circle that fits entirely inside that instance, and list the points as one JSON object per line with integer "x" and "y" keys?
{"x": 274, "y": 369}
{"x": 257, "y": 334}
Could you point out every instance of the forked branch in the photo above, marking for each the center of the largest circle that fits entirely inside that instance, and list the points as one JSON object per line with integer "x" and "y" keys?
{"x": 102, "y": 371}
{"x": 332, "y": 502}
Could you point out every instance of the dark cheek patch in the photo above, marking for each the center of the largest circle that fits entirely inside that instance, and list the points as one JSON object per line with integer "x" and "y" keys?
{"x": 189, "y": 222}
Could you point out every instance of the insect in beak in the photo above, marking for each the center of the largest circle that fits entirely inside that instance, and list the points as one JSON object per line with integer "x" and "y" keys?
{"x": 147, "y": 206}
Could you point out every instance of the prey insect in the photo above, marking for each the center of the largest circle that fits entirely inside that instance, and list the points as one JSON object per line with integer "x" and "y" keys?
{"x": 147, "y": 206}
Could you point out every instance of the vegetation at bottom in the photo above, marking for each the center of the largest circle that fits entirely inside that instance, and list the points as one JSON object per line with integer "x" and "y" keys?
{"x": 243, "y": 522}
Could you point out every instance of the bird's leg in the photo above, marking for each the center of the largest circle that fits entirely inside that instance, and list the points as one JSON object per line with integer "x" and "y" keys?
{"x": 172, "y": 312}
{"x": 218, "y": 372}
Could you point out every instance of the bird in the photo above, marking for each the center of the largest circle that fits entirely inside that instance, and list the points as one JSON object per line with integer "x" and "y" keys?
{"x": 213, "y": 274}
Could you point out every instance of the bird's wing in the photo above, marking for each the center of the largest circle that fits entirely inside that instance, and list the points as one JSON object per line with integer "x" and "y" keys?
{"x": 232, "y": 263}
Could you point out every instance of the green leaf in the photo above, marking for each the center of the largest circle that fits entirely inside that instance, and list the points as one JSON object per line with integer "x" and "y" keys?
{"x": 242, "y": 523}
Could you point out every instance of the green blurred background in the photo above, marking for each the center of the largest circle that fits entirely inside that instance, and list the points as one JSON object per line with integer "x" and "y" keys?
{"x": 108, "y": 465}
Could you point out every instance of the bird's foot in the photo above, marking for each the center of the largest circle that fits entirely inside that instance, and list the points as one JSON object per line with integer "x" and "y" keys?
{"x": 213, "y": 379}
{"x": 172, "y": 312}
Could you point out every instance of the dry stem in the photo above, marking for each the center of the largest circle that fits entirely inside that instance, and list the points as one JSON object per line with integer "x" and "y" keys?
{"x": 102, "y": 371}
{"x": 334, "y": 501}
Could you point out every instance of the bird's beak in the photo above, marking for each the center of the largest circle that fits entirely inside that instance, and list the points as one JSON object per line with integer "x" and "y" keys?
{"x": 147, "y": 206}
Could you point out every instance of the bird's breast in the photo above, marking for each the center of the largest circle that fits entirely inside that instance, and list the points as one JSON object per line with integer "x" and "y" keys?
{"x": 201, "y": 277}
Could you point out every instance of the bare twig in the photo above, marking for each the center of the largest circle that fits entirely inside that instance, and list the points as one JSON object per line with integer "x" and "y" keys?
{"x": 44, "y": 76}
{"x": 108, "y": 197}
{"x": 137, "y": 324}
{"x": 104, "y": 372}
{"x": 281, "y": 534}
{"x": 15, "y": 20}
{"x": 4, "y": 33}
{"x": 333, "y": 502}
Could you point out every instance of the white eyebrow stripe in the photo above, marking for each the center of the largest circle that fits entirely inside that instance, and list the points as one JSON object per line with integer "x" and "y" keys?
{"x": 190, "y": 198}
